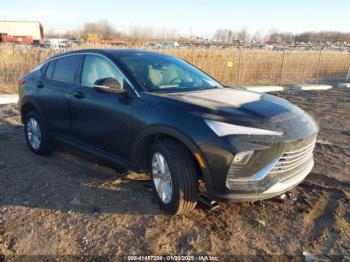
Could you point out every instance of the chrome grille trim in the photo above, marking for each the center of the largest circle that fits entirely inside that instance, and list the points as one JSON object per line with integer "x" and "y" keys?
{"x": 302, "y": 148}
{"x": 286, "y": 161}
{"x": 292, "y": 159}
{"x": 293, "y": 154}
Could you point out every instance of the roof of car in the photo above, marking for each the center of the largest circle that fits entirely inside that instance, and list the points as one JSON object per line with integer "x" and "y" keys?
{"x": 115, "y": 52}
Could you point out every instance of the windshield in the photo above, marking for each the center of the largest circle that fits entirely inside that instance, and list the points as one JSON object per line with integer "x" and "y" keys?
{"x": 166, "y": 73}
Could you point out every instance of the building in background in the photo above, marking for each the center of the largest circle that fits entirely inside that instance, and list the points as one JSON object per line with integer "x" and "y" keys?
{"x": 29, "y": 32}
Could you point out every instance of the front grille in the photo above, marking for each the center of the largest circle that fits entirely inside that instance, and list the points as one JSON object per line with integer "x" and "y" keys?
{"x": 292, "y": 160}
{"x": 289, "y": 165}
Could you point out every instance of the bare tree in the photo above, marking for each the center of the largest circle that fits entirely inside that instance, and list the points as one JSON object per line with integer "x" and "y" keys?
{"x": 258, "y": 37}
{"x": 229, "y": 36}
{"x": 142, "y": 33}
{"x": 103, "y": 28}
{"x": 285, "y": 37}
{"x": 243, "y": 35}
{"x": 323, "y": 36}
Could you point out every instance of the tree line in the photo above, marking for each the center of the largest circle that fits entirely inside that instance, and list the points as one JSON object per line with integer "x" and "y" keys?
{"x": 107, "y": 31}
{"x": 230, "y": 36}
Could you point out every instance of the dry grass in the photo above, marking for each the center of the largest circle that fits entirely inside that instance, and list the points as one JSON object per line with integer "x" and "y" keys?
{"x": 257, "y": 67}
{"x": 16, "y": 62}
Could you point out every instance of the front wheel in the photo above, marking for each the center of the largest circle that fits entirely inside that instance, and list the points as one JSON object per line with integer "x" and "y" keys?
{"x": 174, "y": 176}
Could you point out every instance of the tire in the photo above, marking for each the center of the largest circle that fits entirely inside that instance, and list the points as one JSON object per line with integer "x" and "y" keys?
{"x": 184, "y": 179}
{"x": 42, "y": 146}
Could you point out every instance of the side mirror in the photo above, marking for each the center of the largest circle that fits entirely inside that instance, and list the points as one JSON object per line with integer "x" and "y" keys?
{"x": 109, "y": 85}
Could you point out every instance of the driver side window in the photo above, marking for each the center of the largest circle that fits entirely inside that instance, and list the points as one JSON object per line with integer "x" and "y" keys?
{"x": 96, "y": 68}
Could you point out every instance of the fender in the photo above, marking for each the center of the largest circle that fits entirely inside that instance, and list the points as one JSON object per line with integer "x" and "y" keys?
{"x": 143, "y": 139}
{"x": 28, "y": 100}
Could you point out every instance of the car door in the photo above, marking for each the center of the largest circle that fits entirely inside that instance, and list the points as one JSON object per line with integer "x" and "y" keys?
{"x": 101, "y": 119}
{"x": 55, "y": 92}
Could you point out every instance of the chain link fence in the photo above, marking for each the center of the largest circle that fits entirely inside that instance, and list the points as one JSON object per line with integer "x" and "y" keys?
{"x": 243, "y": 67}
{"x": 233, "y": 67}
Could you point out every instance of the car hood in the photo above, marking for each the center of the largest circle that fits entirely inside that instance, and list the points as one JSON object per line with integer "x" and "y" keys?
{"x": 231, "y": 103}
{"x": 245, "y": 108}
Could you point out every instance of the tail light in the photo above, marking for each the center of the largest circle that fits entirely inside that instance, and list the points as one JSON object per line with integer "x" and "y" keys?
{"x": 20, "y": 83}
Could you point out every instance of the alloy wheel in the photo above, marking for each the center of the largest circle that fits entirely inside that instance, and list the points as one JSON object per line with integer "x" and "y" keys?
{"x": 33, "y": 133}
{"x": 162, "y": 178}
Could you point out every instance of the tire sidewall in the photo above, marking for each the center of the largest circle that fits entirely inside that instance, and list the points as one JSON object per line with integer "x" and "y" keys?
{"x": 173, "y": 205}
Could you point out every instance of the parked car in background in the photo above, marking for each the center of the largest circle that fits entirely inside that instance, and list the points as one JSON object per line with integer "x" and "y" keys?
{"x": 56, "y": 43}
{"x": 168, "y": 44}
{"x": 155, "y": 113}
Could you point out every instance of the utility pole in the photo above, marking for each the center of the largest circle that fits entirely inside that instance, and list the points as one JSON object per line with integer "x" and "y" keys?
{"x": 282, "y": 66}
{"x": 239, "y": 67}
{"x": 318, "y": 66}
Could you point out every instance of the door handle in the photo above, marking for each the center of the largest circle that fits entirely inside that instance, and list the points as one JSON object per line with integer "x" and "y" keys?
{"x": 78, "y": 95}
{"x": 40, "y": 85}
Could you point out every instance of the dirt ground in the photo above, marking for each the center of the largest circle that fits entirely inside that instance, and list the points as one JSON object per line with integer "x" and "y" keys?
{"x": 68, "y": 204}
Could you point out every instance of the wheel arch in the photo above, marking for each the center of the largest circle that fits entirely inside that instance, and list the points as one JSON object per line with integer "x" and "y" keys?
{"x": 145, "y": 140}
{"x": 28, "y": 105}
{"x": 26, "y": 108}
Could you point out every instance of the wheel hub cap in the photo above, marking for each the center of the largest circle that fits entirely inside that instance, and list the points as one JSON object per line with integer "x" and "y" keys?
{"x": 33, "y": 133}
{"x": 162, "y": 178}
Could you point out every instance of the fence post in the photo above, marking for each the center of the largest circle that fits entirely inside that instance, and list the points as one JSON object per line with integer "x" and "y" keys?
{"x": 282, "y": 66}
{"x": 239, "y": 67}
{"x": 233, "y": 70}
{"x": 192, "y": 55}
{"x": 348, "y": 74}
{"x": 318, "y": 67}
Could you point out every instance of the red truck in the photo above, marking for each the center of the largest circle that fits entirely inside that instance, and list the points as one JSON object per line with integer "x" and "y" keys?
{"x": 18, "y": 39}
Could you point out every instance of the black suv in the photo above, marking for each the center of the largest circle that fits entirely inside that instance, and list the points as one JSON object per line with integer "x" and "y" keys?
{"x": 151, "y": 112}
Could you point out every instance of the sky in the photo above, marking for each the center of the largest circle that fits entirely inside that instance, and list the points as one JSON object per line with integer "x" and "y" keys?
{"x": 199, "y": 17}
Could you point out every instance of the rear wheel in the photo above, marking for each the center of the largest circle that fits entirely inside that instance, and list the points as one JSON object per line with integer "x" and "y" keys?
{"x": 36, "y": 134}
{"x": 174, "y": 176}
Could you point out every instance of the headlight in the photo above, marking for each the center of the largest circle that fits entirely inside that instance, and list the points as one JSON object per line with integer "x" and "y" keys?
{"x": 225, "y": 129}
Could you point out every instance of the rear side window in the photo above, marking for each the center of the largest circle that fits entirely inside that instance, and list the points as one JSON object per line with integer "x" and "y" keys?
{"x": 66, "y": 68}
{"x": 49, "y": 70}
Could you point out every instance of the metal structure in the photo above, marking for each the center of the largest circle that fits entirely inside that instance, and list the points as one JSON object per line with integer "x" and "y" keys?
{"x": 16, "y": 31}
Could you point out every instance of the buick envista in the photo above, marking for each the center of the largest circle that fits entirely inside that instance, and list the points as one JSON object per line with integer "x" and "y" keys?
{"x": 155, "y": 113}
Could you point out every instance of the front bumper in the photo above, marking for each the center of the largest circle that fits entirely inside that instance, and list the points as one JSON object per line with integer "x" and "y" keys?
{"x": 273, "y": 190}
{"x": 270, "y": 173}
{"x": 277, "y": 165}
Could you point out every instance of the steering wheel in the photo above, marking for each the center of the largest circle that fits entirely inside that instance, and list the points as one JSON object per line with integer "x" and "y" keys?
{"x": 174, "y": 79}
